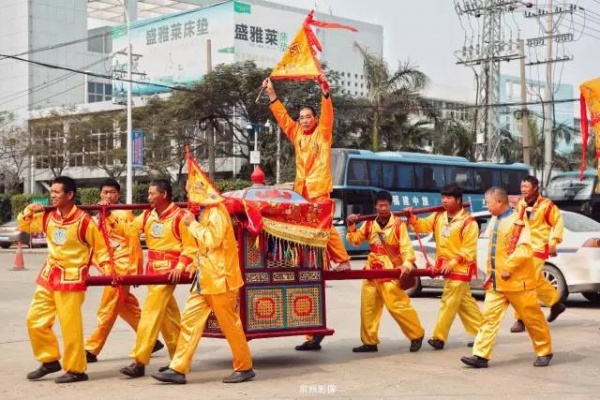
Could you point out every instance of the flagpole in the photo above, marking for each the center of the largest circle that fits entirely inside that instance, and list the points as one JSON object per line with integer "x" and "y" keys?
{"x": 259, "y": 93}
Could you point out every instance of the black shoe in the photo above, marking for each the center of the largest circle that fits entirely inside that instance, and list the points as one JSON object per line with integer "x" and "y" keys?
{"x": 134, "y": 370}
{"x": 436, "y": 344}
{"x": 163, "y": 369}
{"x": 239, "y": 376}
{"x": 542, "y": 361}
{"x": 365, "y": 348}
{"x": 309, "y": 345}
{"x": 475, "y": 361}
{"x": 44, "y": 369}
{"x": 90, "y": 357}
{"x": 517, "y": 327}
{"x": 415, "y": 345}
{"x": 71, "y": 377}
{"x": 555, "y": 311}
{"x": 170, "y": 376}
{"x": 157, "y": 346}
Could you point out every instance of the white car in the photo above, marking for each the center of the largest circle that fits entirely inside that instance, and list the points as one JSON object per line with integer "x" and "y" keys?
{"x": 574, "y": 270}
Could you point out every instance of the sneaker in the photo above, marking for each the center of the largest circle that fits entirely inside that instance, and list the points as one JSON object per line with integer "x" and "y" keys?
{"x": 415, "y": 345}
{"x": 309, "y": 345}
{"x": 71, "y": 377}
{"x": 436, "y": 343}
{"x": 555, "y": 311}
{"x": 518, "y": 327}
{"x": 134, "y": 370}
{"x": 44, "y": 369}
{"x": 365, "y": 348}
{"x": 170, "y": 376}
{"x": 475, "y": 361}
{"x": 239, "y": 376}
{"x": 90, "y": 357}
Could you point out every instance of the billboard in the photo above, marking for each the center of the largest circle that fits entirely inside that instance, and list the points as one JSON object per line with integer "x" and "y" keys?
{"x": 170, "y": 50}
{"x": 262, "y": 33}
{"x": 137, "y": 141}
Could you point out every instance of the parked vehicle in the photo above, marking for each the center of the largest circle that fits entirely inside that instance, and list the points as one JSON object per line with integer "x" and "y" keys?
{"x": 10, "y": 234}
{"x": 574, "y": 270}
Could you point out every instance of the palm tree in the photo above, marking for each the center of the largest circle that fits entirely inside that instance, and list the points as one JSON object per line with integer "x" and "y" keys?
{"x": 389, "y": 90}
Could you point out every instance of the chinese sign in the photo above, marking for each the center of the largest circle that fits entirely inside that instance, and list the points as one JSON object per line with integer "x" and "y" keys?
{"x": 137, "y": 139}
{"x": 171, "y": 50}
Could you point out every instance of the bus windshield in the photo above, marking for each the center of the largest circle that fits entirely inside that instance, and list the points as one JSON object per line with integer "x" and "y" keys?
{"x": 570, "y": 187}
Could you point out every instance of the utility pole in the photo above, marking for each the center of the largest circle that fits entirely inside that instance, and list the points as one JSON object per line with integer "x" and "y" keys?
{"x": 524, "y": 111}
{"x": 490, "y": 49}
{"x": 548, "y": 96}
{"x": 210, "y": 135}
{"x": 551, "y": 35}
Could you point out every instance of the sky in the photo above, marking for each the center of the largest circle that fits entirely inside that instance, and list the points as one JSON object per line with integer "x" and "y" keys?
{"x": 428, "y": 32}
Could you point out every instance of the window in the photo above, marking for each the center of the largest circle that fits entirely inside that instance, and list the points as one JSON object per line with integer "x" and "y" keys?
{"x": 357, "y": 173}
{"x": 98, "y": 91}
{"x": 405, "y": 176}
{"x": 484, "y": 179}
{"x": 462, "y": 176}
{"x": 429, "y": 177}
{"x": 511, "y": 181}
{"x": 571, "y": 188}
{"x": 374, "y": 173}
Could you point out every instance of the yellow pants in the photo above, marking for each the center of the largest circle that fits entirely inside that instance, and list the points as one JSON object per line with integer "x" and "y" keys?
{"x": 45, "y": 306}
{"x": 457, "y": 298}
{"x": 194, "y": 318}
{"x": 374, "y": 295}
{"x": 527, "y": 306}
{"x": 546, "y": 293}
{"x": 159, "y": 313}
{"x": 114, "y": 303}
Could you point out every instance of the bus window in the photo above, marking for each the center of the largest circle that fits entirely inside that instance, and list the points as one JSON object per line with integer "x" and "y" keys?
{"x": 463, "y": 176}
{"x": 388, "y": 176}
{"x": 405, "y": 176}
{"x": 357, "y": 173}
{"x": 374, "y": 173}
{"x": 484, "y": 179}
{"x": 511, "y": 181}
{"x": 429, "y": 177}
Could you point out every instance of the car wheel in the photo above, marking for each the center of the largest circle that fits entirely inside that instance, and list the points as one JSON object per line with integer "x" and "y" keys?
{"x": 594, "y": 297}
{"x": 416, "y": 289}
{"x": 556, "y": 279}
{"x": 5, "y": 245}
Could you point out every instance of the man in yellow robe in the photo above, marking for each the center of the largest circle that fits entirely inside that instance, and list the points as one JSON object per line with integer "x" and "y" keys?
{"x": 170, "y": 248}
{"x": 215, "y": 288}
{"x": 312, "y": 137}
{"x": 72, "y": 238}
{"x": 546, "y": 225}
{"x": 127, "y": 257}
{"x": 455, "y": 232}
{"x": 390, "y": 248}
{"x": 511, "y": 280}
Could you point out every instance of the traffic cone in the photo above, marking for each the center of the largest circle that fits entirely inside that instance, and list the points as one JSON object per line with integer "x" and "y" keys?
{"x": 19, "y": 261}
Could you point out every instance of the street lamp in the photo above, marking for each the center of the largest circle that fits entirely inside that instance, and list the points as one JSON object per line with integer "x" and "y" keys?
{"x": 269, "y": 126}
{"x": 129, "y": 173}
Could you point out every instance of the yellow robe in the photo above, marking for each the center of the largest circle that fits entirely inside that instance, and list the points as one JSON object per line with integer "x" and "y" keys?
{"x": 377, "y": 293}
{"x": 61, "y": 283}
{"x": 118, "y": 301}
{"x": 313, "y": 151}
{"x": 456, "y": 242}
{"x": 547, "y": 228}
{"x": 170, "y": 245}
{"x": 519, "y": 290}
{"x": 216, "y": 288}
